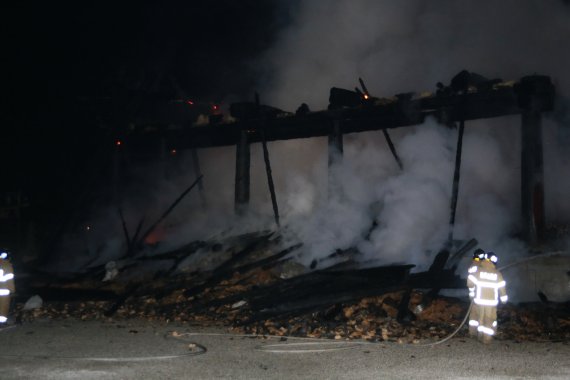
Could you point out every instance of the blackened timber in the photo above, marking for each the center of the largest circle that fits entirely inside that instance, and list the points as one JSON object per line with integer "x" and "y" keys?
{"x": 270, "y": 178}
{"x": 393, "y": 149}
{"x": 335, "y": 152}
{"x": 502, "y": 101}
{"x": 455, "y": 257}
{"x": 242, "y": 173}
{"x": 532, "y": 91}
{"x": 320, "y": 289}
{"x": 335, "y": 143}
{"x": 532, "y": 176}
{"x": 455, "y": 186}
{"x": 198, "y": 173}
{"x": 228, "y": 268}
{"x": 266, "y": 262}
{"x": 321, "y": 301}
{"x": 125, "y": 229}
{"x": 169, "y": 210}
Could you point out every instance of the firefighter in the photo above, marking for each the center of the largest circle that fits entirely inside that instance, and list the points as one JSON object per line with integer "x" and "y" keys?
{"x": 485, "y": 283}
{"x": 7, "y": 286}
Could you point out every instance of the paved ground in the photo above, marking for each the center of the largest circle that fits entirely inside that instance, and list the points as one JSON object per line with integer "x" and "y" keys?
{"x": 138, "y": 350}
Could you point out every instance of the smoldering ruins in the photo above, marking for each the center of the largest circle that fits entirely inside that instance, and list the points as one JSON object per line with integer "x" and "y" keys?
{"x": 344, "y": 198}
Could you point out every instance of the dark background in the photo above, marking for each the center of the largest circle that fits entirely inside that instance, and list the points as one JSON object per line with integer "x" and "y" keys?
{"x": 72, "y": 72}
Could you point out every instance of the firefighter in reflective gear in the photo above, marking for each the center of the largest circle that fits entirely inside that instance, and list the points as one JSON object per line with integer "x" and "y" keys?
{"x": 7, "y": 286}
{"x": 486, "y": 288}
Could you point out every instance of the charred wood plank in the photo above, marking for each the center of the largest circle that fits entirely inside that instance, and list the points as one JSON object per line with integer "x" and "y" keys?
{"x": 227, "y": 269}
{"x": 498, "y": 101}
{"x": 455, "y": 257}
{"x": 270, "y": 177}
{"x": 320, "y": 284}
{"x": 455, "y": 186}
{"x": 392, "y": 148}
{"x": 125, "y": 229}
{"x": 169, "y": 210}
{"x": 242, "y": 176}
{"x": 315, "y": 303}
{"x": 266, "y": 262}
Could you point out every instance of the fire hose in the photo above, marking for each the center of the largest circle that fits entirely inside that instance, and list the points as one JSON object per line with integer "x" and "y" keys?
{"x": 274, "y": 348}
{"x": 311, "y": 345}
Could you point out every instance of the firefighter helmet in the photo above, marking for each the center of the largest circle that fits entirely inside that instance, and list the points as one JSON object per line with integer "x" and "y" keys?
{"x": 491, "y": 257}
{"x": 479, "y": 254}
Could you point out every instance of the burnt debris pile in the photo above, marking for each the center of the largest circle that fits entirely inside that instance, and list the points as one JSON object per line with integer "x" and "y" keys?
{"x": 251, "y": 283}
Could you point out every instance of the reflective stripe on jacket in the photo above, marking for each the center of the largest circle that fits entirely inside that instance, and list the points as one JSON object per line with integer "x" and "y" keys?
{"x": 6, "y": 278}
{"x": 485, "y": 283}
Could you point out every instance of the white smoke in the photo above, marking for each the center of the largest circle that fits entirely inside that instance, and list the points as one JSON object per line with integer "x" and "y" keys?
{"x": 409, "y": 46}
{"x": 396, "y": 47}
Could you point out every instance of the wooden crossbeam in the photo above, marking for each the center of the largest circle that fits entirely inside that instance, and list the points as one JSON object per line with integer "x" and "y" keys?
{"x": 502, "y": 101}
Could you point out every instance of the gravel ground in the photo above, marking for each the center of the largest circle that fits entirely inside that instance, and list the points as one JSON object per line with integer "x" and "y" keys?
{"x": 72, "y": 349}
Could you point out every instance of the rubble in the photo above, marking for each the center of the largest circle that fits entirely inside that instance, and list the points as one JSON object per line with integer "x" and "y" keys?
{"x": 247, "y": 294}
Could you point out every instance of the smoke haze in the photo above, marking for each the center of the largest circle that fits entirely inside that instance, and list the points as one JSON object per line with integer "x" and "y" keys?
{"x": 395, "y": 47}
{"x": 398, "y": 47}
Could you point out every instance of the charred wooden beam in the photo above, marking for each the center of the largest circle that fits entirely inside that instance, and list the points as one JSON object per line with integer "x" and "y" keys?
{"x": 169, "y": 210}
{"x": 336, "y": 148}
{"x": 198, "y": 173}
{"x": 264, "y": 263}
{"x": 456, "y": 256}
{"x": 531, "y": 91}
{"x": 501, "y": 100}
{"x": 434, "y": 279}
{"x": 227, "y": 269}
{"x": 125, "y": 229}
{"x": 320, "y": 301}
{"x": 242, "y": 173}
{"x": 455, "y": 186}
{"x": 393, "y": 149}
{"x": 335, "y": 151}
{"x": 324, "y": 288}
{"x": 270, "y": 177}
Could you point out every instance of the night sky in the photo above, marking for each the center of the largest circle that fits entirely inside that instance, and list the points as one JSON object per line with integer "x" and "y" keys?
{"x": 64, "y": 61}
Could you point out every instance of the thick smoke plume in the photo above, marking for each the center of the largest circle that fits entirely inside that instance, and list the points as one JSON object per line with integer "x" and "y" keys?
{"x": 398, "y": 47}
{"x": 390, "y": 215}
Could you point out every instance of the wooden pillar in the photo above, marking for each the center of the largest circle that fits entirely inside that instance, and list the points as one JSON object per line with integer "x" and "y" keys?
{"x": 532, "y": 175}
{"x": 535, "y": 95}
{"x": 269, "y": 176}
{"x": 335, "y": 149}
{"x": 198, "y": 173}
{"x": 455, "y": 186}
{"x": 242, "y": 174}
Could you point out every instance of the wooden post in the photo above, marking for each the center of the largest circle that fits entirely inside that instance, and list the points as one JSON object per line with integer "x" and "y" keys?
{"x": 269, "y": 176}
{"x": 535, "y": 95}
{"x": 198, "y": 173}
{"x": 242, "y": 174}
{"x": 392, "y": 148}
{"x": 335, "y": 153}
{"x": 455, "y": 186}
{"x": 532, "y": 175}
